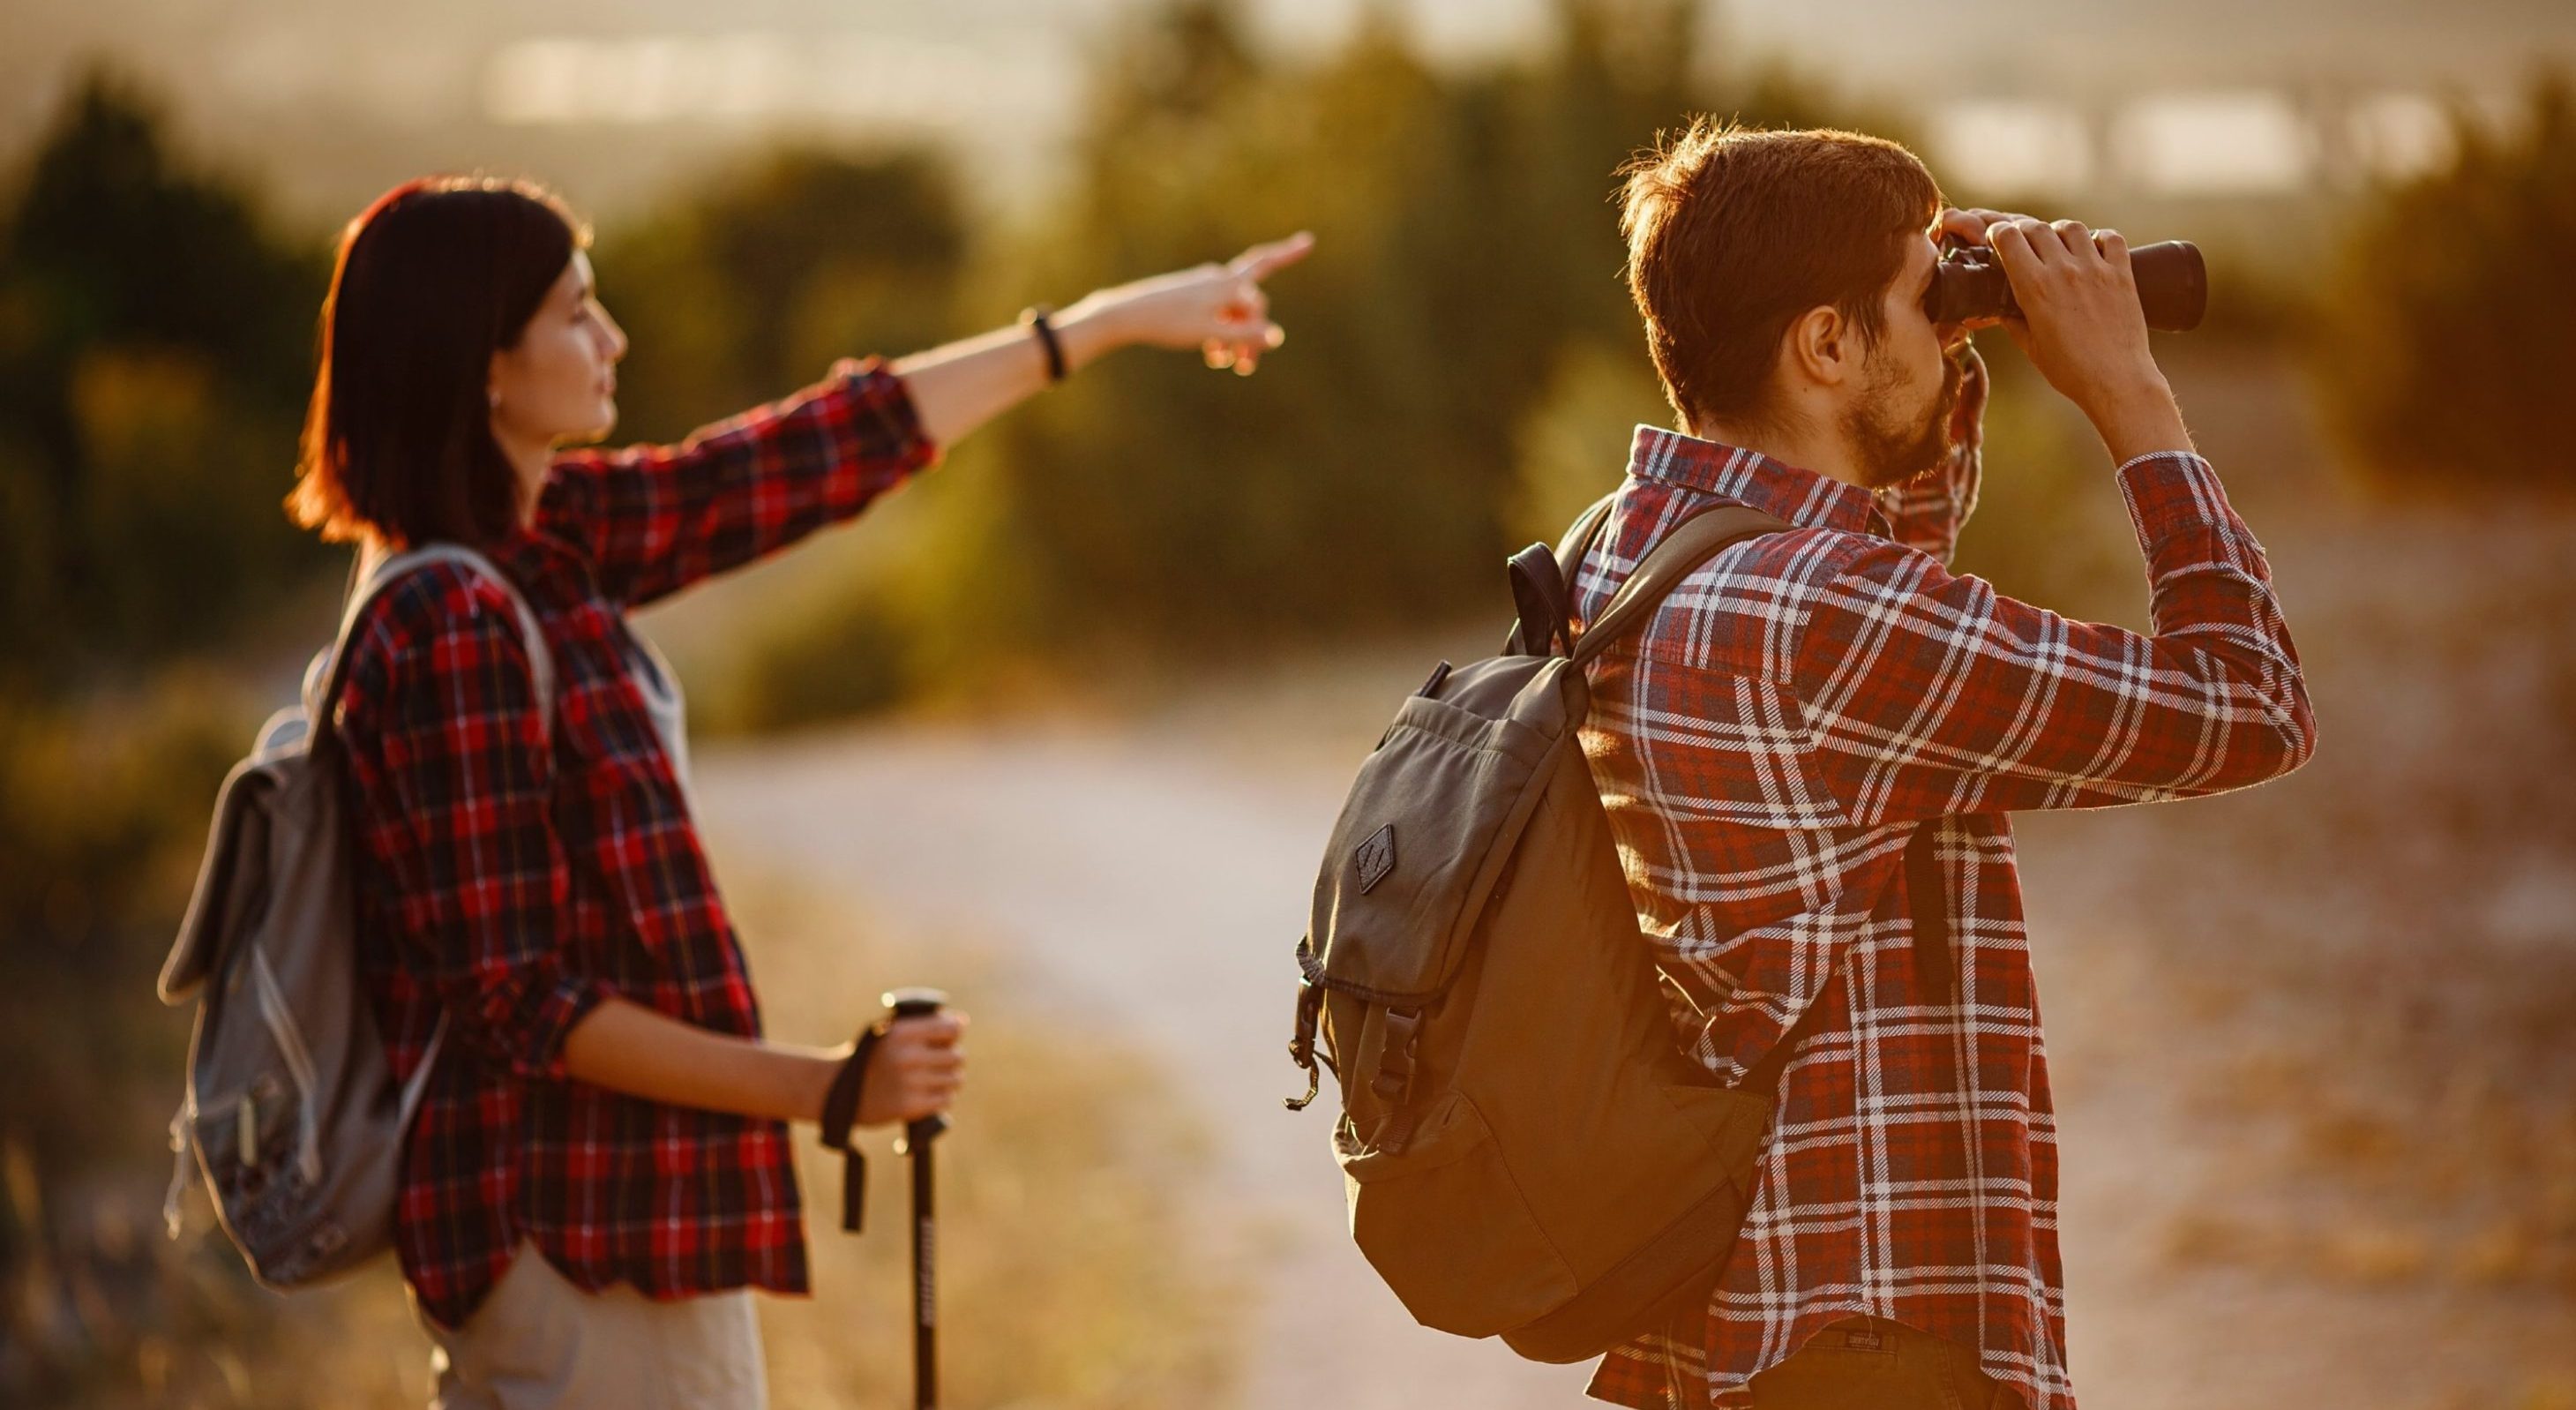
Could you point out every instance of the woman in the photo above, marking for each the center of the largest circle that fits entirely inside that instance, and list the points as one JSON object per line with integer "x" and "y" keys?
{"x": 599, "y": 1171}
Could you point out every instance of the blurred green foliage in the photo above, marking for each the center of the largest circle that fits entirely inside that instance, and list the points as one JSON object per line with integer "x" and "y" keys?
{"x": 2443, "y": 357}
{"x": 155, "y": 351}
{"x": 753, "y": 284}
{"x": 154, "y": 354}
{"x": 1466, "y": 248}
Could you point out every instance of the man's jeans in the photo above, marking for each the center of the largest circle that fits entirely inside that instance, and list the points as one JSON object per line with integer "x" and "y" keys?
{"x": 1865, "y": 1363}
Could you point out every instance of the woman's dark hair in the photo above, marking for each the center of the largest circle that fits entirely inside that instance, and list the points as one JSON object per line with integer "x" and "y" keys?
{"x": 431, "y": 280}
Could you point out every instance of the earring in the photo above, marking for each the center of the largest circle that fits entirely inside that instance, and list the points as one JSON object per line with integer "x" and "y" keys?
{"x": 495, "y": 395}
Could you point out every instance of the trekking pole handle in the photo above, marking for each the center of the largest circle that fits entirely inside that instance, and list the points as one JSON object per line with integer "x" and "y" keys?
{"x": 918, "y": 1003}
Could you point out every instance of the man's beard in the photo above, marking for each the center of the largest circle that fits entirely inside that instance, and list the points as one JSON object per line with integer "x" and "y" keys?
{"x": 1893, "y": 447}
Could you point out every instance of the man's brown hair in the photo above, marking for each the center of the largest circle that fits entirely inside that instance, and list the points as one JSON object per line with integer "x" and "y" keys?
{"x": 1733, "y": 232}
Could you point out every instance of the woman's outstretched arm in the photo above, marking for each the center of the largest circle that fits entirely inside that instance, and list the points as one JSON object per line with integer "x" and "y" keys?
{"x": 1219, "y": 309}
{"x": 654, "y": 519}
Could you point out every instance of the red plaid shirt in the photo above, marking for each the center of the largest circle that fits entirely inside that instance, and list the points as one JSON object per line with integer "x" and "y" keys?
{"x": 1768, "y": 745}
{"x": 514, "y": 886}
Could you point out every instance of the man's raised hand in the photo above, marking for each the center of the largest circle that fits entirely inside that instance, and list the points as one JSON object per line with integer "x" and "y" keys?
{"x": 2081, "y": 326}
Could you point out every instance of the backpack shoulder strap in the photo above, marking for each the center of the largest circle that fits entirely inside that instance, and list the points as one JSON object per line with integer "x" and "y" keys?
{"x": 1927, "y": 908}
{"x": 364, "y": 591}
{"x": 1543, "y": 583}
{"x": 1701, "y": 537}
{"x": 1578, "y": 541}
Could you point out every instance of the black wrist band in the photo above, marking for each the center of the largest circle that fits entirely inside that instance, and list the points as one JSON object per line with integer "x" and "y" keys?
{"x": 840, "y": 1112}
{"x": 1036, "y": 317}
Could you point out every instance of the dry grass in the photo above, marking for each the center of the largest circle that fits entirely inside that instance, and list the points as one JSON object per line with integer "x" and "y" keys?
{"x": 1068, "y": 1219}
{"x": 1069, "y": 1201}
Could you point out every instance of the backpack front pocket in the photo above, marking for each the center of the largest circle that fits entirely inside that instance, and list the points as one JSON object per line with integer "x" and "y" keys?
{"x": 1443, "y": 1222}
{"x": 1420, "y": 843}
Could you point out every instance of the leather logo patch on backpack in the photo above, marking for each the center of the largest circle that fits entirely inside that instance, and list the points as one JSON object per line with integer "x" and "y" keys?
{"x": 1376, "y": 857}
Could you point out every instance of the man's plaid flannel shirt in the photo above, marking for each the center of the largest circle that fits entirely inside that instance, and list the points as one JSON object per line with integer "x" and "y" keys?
{"x": 1768, "y": 745}
{"x": 514, "y": 886}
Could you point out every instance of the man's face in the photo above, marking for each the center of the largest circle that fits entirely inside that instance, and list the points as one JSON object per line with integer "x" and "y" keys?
{"x": 1898, "y": 420}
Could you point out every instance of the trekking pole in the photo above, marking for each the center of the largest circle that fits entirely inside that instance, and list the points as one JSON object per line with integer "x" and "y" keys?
{"x": 917, "y": 1136}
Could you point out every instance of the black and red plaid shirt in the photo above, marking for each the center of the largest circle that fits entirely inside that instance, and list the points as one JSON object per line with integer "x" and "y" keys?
{"x": 1767, "y": 747}
{"x": 513, "y": 884}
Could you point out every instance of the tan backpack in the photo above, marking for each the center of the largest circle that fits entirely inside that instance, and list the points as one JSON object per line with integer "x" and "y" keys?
{"x": 1526, "y": 1152}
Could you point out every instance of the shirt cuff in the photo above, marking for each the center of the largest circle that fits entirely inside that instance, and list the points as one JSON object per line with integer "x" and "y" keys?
{"x": 880, "y": 412}
{"x": 2171, "y": 492}
{"x": 527, "y": 1029}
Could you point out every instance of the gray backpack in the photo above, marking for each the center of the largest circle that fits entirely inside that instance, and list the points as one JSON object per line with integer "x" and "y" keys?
{"x": 292, "y": 1111}
{"x": 1526, "y": 1152}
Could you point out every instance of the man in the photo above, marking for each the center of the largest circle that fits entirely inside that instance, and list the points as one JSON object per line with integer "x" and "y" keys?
{"x": 1805, "y": 703}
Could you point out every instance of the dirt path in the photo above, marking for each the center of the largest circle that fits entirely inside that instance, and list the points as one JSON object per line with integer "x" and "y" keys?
{"x": 1156, "y": 892}
{"x": 1155, "y": 877}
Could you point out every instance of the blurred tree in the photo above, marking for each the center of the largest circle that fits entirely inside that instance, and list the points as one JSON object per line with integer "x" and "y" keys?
{"x": 748, "y": 288}
{"x": 1595, "y": 399}
{"x": 154, "y": 356}
{"x": 1365, "y": 477}
{"x": 1167, "y": 504}
{"x": 2444, "y": 357}
{"x": 155, "y": 349}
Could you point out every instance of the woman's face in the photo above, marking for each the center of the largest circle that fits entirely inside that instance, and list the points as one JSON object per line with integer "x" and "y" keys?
{"x": 558, "y": 383}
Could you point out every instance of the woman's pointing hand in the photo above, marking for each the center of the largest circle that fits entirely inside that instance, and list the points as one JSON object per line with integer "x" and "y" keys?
{"x": 1220, "y": 309}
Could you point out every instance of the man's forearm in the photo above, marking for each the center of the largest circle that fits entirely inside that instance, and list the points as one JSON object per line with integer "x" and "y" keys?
{"x": 625, "y": 1047}
{"x": 2139, "y": 418}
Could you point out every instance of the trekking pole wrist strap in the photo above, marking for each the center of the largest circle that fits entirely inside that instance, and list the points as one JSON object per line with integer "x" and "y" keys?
{"x": 840, "y": 1113}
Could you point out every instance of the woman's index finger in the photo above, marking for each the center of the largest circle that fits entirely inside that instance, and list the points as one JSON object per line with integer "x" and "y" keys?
{"x": 1261, "y": 261}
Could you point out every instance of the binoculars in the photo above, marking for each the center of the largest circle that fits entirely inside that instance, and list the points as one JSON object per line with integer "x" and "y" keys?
{"x": 2173, "y": 286}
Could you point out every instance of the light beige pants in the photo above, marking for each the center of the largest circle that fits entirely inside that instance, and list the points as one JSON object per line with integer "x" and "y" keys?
{"x": 540, "y": 1343}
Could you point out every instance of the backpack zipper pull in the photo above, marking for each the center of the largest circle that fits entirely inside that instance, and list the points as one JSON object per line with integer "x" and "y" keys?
{"x": 1301, "y": 1044}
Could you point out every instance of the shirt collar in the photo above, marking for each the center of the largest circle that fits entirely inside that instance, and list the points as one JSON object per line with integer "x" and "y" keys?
{"x": 544, "y": 566}
{"x": 1749, "y": 477}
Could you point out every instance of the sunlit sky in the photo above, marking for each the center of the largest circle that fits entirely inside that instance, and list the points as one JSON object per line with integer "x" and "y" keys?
{"x": 326, "y": 100}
